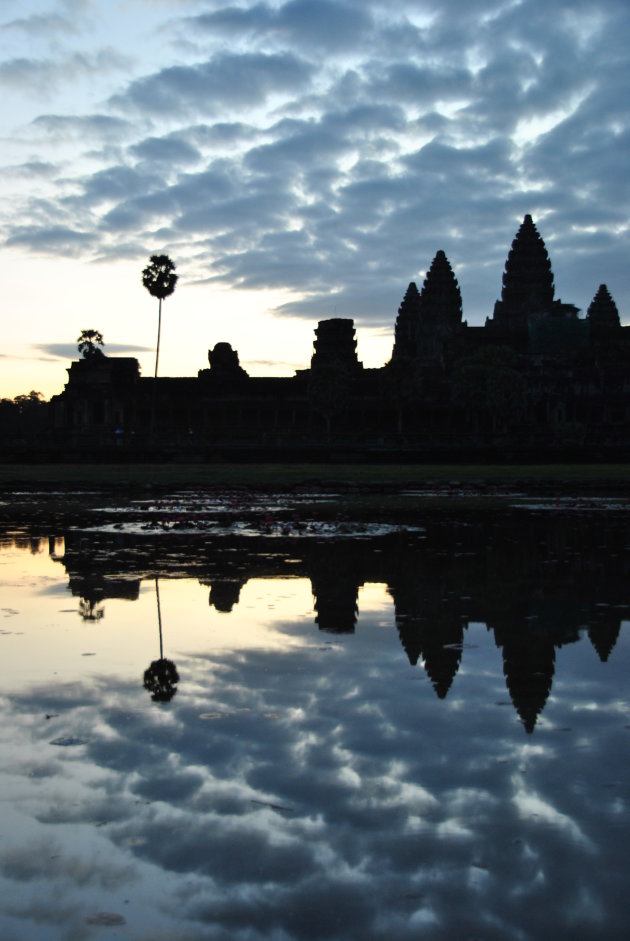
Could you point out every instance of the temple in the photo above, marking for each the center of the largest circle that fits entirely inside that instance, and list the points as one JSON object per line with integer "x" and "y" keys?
{"x": 536, "y": 379}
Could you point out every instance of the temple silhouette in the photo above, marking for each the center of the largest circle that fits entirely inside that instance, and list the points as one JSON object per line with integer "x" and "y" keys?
{"x": 537, "y": 378}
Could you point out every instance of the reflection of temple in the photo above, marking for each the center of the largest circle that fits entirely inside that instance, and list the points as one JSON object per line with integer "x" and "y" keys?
{"x": 335, "y": 590}
{"x": 430, "y": 627}
{"x": 604, "y": 633}
{"x": 538, "y": 583}
{"x": 224, "y": 594}
{"x": 89, "y": 582}
{"x": 528, "y": 665}
{"x": 439, "y": 647}
{"x": 535, "y": 376}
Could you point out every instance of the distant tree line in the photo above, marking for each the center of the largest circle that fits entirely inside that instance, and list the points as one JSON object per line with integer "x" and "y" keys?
{"x": 23, "y": 420}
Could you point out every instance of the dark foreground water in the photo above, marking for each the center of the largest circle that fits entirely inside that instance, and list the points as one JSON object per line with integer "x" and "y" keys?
{"x": 316, "y": 730}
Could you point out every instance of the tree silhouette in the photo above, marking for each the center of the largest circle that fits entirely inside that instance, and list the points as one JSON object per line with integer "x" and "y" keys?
{"x": 89, "y": 343}
{"x": 25, "y": 401}
{"x": 159, "y": 279}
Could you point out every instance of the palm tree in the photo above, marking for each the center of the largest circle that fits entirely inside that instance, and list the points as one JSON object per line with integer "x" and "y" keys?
{"x": 159, "y": 279}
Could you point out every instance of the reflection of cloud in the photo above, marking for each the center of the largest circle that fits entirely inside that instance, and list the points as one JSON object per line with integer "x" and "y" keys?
{"x": 323, "y": 794}
{"x": 43, "y": 862}
{"x": 44, "y": 910}
{"x": 308, "y": 790}
{"x": 532, "y": 805}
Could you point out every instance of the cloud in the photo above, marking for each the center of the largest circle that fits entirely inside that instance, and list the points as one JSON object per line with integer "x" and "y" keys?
{"x": 33, "y": 168}
{"x": 172, "y": 150}
{"x": 415, "y": 84}
{"x": 311, "y": 24}
{"x": 69, "y": 350}
{"x": 338, "y": 174}
{"x": 41, "y": 24}
{"x": 42, "y": 76}
{"x": 50, "y": 239}
{"x": 226, "y": 81}
{"x": 72, "y": 126}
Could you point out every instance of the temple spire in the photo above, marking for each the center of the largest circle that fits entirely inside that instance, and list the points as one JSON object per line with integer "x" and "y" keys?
{"x": 407, "y": 324}
{"x": 440, "y": 299}
{"x": 528, "y": 288}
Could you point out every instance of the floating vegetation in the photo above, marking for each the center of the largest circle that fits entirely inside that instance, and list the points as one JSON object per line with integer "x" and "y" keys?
{"x": 302, "y": 514}
{"x": 274, "y": 529}
{"x": 572, "y": 504}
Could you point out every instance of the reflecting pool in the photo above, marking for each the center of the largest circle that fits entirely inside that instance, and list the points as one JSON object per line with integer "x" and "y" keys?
{"x": 335, "y": 731}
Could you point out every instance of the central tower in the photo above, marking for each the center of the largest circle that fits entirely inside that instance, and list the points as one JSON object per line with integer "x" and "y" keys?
{"x": 528, "y": 288}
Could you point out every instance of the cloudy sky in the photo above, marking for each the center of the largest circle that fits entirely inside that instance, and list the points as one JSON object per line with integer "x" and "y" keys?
{"x": 298, "y": 160}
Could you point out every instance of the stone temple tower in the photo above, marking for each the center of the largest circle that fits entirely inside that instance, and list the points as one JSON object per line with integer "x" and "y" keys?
{"x": 335, "y": 345}
{"x": 440, "y": 299}
{"x": 407, "y": 325}
{"x": 440, "y": 309}
{"x": 602, "y": 314}
{"x": 429, "y": 319}
{"x": 528, "y": 288}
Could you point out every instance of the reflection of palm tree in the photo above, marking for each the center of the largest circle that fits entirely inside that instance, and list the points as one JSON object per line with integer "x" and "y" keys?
{"x": 161, "y": 676}
{"x": 161, "y": 679}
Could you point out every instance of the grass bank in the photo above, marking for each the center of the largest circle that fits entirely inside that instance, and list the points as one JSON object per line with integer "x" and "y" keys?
{"x": 565, "y": 477}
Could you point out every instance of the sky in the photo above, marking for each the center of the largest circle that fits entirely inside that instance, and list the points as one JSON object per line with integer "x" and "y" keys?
{"x": 298, "y": 161}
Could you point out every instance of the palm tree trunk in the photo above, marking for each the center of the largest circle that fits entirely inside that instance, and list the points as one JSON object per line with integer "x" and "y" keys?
{"x": 157, "y": 595}
{"x": 157, "y": 357}
{"x": 157, "y": 349}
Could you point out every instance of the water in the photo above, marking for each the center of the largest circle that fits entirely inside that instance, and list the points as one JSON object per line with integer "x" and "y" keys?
{"x": 403, "y": 732}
